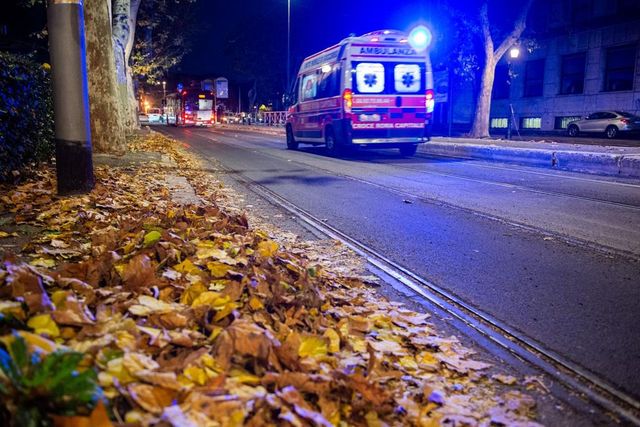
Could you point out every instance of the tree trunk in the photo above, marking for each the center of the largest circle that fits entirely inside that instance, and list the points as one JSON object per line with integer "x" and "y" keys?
{"x": 480, "y": 128}
{"x": 107, "y": 131}
{"x": 121, "y": 35}
{"x": 131, "y": 94}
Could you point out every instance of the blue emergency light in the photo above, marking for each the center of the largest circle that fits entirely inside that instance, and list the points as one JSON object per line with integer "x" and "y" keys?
{"x": 420, "y": 38}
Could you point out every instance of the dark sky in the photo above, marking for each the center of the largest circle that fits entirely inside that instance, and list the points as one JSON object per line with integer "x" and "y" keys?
{"x": 315, "y": 25}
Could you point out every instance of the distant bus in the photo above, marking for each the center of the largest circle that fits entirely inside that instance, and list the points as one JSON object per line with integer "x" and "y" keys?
{"x": 190, "y": 107}
{"x": 372, "y": 91}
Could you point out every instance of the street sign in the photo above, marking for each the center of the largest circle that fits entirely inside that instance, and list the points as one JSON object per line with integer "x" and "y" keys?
{"x": 441, "y": 85}
{"x": 222, "y": 88}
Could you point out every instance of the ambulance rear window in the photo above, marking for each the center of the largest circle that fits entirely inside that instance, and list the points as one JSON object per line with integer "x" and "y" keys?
{"x": 407, "y": 78}
{"x": 370, "y": 77}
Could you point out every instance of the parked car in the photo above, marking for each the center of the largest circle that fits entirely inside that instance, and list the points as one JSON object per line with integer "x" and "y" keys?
{"x": 155, "y": 115}
{"x": 611, "y": 123}
{"x": 143, "y": 118}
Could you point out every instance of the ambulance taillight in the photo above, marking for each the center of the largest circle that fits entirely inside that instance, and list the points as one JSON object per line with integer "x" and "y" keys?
{"x": 347, "y": 100}
{"x": 430, "y": 102}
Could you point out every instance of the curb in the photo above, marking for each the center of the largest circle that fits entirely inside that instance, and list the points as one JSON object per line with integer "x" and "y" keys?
{"x": 574, "y": 161}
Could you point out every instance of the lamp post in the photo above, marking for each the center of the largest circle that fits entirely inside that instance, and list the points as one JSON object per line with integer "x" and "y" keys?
{"x": 288, "y": 44}
{"x": 164, "y": 100}
{"x": 514, "y": 53}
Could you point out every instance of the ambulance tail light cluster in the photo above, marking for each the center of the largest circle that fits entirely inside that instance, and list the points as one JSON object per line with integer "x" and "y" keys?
{"x": 347, "y": 100}
{"x": 430, "y": 101}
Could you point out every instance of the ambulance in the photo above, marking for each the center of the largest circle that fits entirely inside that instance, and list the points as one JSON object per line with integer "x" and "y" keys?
{"x": 373, "y": 91}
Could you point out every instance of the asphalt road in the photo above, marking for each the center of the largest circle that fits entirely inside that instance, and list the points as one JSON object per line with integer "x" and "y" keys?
{"x": 554, "y": 255}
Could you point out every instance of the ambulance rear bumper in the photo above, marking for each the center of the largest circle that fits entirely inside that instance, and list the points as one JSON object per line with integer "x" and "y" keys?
{"x": 346, "y": 135}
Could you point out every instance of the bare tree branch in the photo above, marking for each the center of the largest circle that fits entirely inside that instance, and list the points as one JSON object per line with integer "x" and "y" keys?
{"x": 513, "y": 37}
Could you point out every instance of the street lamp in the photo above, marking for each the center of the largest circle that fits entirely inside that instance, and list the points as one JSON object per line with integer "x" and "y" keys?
{"x": 288, "y": 44}
{"x": 514, "y": 53}
{"x": 164, "y": 100}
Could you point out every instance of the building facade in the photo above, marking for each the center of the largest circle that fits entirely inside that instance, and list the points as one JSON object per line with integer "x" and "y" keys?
{"x": 586, "y": 58}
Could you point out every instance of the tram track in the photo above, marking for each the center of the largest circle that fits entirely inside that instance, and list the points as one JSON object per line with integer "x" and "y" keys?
{"x": 558, "y": 367}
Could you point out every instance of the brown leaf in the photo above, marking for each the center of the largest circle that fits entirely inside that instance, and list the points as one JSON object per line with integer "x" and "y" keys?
{"x": 151, "y": 398}
{"x": 139, "y": 274}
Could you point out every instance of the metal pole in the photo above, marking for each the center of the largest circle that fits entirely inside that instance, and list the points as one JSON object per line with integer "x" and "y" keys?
{"x": 510, "y": 114}
{"x": 74, "y": 165}
{"x": 288, "y": 44}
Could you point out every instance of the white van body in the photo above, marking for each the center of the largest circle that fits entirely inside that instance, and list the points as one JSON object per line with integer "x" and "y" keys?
{"x": 369, "y": 91}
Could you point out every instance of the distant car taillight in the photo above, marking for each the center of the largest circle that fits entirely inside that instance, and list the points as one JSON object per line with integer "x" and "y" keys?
{"x": 625, "y": 121}
{"x": 430, "y": 102}
{"x": 347, "y": 100}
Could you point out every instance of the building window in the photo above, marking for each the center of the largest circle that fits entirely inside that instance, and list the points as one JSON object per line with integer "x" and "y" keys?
{"x": 501, "y": 83}
{"x": 534, "y": 78}
{"x": 563, "y": 121}
{"x": 572, "y": 80}
{"x": 499, "y": 123}
{"x": 531, "y": 123}
{"x": 620, "y": 68}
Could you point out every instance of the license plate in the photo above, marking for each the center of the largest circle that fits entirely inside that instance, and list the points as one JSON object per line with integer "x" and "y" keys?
{"x": 369, "y": 117}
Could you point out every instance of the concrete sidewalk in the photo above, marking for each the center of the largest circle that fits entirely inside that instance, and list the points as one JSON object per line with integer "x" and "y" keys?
{"x": 593, "y": 159}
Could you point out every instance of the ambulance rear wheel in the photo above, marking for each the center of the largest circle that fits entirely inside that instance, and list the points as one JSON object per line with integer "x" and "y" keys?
{"x": 408, "y": 150}
{"x": 292, "y": 144}
{"x": 330, "y": 142}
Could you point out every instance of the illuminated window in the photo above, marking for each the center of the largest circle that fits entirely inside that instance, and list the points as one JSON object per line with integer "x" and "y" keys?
{"x": 563, "y": 121}
{"x": 309, "y": 87}
{"x": 370, "y": 77}
{"x": 407, "y": 78}
{"x": 531, "y": 123}
{"x": 499, "y": 123}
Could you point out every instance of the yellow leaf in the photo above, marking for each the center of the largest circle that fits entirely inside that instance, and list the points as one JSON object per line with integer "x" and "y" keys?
{"x": 334, "y": 340}
{"x": 186, "y": 267}
{"x": 224, "y": 311}
{"x": 192, "y": 292}
{"x": 244, "y": 377}
{"x": 205, "y": 253}
{"x": 147, "y": 305}
{"x": 408, "y": 362}
{"x": 217, "y": 269}
{"x": 34, "y": 342}
{"x": 426, "y": 358}
{"x": 373, "y": 420}
{"x": 312, "y": 346}
{"x": 44, "y": 324}
{"x": 43, "y": 262}
{"x": 267, "y": 248}
{"x": 4, "y": 234}
{"x": 115, "y": 369}
{"x": 255, "y": 304}
{"x": 196, "y": 374}
{"x": 58, "y": 298}
{"x": 129, "y": 247}
{"x": 206, "y": 298}
{"x": 214, "y": 333}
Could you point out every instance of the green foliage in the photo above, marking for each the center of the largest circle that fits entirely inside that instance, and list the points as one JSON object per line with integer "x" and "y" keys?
{"x": 164, "y": 35}
{"x": 26, "y": 113}
{"x": 34, "y": 386}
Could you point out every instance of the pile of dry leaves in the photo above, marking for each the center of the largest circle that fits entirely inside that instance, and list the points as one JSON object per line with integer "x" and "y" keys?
{"x": 190, "y": 317}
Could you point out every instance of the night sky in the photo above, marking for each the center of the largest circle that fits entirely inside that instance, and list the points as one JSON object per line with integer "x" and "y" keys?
{"x": 315, "y": 25}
